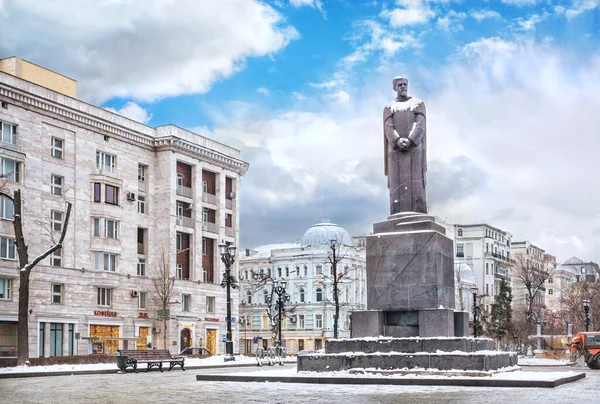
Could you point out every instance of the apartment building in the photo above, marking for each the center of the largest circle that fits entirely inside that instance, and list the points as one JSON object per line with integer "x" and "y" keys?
{"x": 141, "y": 197}
{"x": 305, "y": 268}
{"x": 538, "y": 260}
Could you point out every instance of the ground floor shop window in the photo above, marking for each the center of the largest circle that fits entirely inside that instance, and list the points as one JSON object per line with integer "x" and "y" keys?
{"x": 56, "y": 339}
{"x": 8, "y": 339}
{"x": 142, "y": 344}
{"x": 104, "y": 345}
{"x": 41, "y": 337}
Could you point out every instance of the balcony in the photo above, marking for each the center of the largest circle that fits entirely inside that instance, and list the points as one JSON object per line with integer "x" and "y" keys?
{"x": 107, "y": 171}
{"x": 501, "y": 273}
{"x": 460, "y": 254}
{"x": 229, "y": 231}
{"x": 209, "y": 198}
{"x": 210, "y": 227}
{"x": 185, "y": 221}
{"x": 229, "y": 203}
{"x": 141, "y": 248}
{"x": 184, "y": 191}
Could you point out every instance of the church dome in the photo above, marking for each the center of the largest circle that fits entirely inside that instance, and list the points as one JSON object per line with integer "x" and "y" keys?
{"x": 323, "y": 233}
{"x": 464, "y": 272}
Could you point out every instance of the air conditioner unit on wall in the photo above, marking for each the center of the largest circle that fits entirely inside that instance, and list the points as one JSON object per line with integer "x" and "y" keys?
{"x": 134, "y": 293}
{"x": 130, "y": 196}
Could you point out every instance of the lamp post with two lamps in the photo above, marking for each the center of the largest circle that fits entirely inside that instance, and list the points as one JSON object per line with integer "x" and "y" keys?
{"x": 282, "y": 298}
{"x": 228, "y": 257}
{"x": 586, "y": 309}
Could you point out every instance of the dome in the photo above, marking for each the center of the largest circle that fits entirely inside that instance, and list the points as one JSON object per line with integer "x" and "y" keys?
{"x": 465, "y": 272}
{"x": 323, "y": 233}
{"x": 573, "y": 261}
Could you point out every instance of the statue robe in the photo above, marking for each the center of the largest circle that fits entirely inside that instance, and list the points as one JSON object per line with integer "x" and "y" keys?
{"x": 405, "y": 169}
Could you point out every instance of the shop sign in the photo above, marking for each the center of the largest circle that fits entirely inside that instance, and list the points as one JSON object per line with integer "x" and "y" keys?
{"x": 142, "y": 315}
{"x": 105, "y": 313}
{"x": 211, "y": 319}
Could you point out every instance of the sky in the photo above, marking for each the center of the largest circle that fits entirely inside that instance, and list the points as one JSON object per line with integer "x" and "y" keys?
{"x": 512, "y": 89}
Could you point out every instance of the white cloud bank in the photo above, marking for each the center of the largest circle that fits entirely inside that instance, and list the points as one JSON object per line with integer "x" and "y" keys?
{"x": 133, "y": 111}
{"x": 511, "y": 143}
{"x": 143, "y": 50}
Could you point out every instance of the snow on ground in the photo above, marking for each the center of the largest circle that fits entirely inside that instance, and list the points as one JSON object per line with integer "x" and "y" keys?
{"x": 543, "y": 362}
{"x": 189, "y": 362}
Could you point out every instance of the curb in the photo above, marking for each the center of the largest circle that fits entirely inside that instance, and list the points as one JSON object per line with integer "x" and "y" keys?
{"x": 116, "y": 371}
{"x": 398, "y": 382}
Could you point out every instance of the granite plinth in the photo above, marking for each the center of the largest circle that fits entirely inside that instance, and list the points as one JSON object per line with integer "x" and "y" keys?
{"x": 408, "y": 345}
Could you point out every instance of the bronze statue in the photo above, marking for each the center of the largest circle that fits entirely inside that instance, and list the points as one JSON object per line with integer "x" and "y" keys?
{"x": 404, "y": 128}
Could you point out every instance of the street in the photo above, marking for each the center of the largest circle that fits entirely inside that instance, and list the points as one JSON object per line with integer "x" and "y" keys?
{"x": 177, "y": 386}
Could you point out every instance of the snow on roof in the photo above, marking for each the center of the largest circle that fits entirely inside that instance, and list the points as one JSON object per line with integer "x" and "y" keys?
{"x": 573, "y": 261}
{"x": 265, "y": 251}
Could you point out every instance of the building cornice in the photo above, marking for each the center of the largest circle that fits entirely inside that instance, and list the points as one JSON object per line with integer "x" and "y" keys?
{"x": 97, "y": 124}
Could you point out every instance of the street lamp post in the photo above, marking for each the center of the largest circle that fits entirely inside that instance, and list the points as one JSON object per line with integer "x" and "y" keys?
{"x": 586, "y": 309}
{"x": 282, "y": 297}
{"x": 474, "y": 290}
{"x": 228, "y": 257}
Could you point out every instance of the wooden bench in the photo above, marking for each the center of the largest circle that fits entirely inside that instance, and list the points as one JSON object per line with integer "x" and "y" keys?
{"x": 153, "y": 357}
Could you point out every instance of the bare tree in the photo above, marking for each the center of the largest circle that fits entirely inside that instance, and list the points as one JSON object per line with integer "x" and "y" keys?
{"x": 572, "y": 305}
{"x": 337, "y": 253}
{"x": 530, "y": 276}
{"x": 26, "y": 266}
{"x": 163, "y": 292}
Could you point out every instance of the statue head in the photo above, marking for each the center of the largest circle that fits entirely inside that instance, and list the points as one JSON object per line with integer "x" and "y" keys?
{"x": 400, "y": 85}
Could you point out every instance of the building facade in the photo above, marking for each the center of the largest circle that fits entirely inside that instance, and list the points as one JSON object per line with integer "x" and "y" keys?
{"x": 142, "y": 199}
{"x": 486, "y": 250}
{"x": 305, "y": 267}
{"x": 537, "y": 259}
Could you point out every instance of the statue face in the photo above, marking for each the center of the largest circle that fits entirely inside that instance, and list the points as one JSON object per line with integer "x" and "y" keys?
{"x": 402, "y": 88}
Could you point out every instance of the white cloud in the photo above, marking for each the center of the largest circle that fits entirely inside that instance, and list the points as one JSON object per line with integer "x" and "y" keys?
{"x": 143, "y": 50}
{"x": 309, "y": 3}
{"x": 410, "y": 12}
{"x": 530, "y": 23}
{"x": 133, "y": 111}
{"x": 263, "y": 91}
{"x": 481, "y": 15}
{"x": 451, "y": 21}
{"x": 577, "y": 7}
{"x": 520, "y": 2}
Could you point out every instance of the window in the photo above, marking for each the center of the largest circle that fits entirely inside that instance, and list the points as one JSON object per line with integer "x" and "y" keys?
{"x": 141, "y": 204}
{"x": 104, "y": 296}
{"x": 487, "y": 289}
{"x": 297, "y": 271}
{"x": 204, "y": 248}
{"x": 487, "y": 268}
{"x": 179, "y": 271}
{"x": 210, "y": 304}
{"x": 249, "y": 296}
{"x": 460, "y": 250}
{"x": 301, "y": 295}
{"x": 205, "y": 187}
{"x": 186, "y": 302}
{"x": 301, "y": 321}
{"x": 10, "y": 169}
{"x": 57, "y": 220}
{"x": 459, "y": 232}
{"x": 141, "y": 173}
{"x": 179, "y": 241}
{"x": 141, "y": 267}
{"x": 319, "y": 270}
{"x": 279, "y": 272}
{"x": 5, "y": 288}
{"x": 111, "y": 229}
{"x": 112, "y": 195}
{"x": 179, "y": 180}
{"x": 550, "y": 280}
{"x": 319, "y": 293}
{"x": 7, "y": 208}
{"x": 265, "y": 322}
{"x": 97, "y": 192}
{"x": 105, "y": 161}
{"x": 105, "y": 261}
{"x": 56, "y": 339}
{"x": 8, "y": 133}
{"x": 142, "y": 300}
{"x": 318, "y": 321}
{"x": 41, "y": 338}
{"x": 57, "y": 293}
{"x": 56, "y": 184}
{"x": 7, "y": 248}
{"x": 305, "y": 270}
{"x": 57, "y": 148}
{"x": 550, "y": 291}
{"x": 96, "y": 227}
{"x": 71, "y": 339}
{"x": 56, "y": 258}
{"x": 266, "y": 296}
{"x": 287, "y": 272}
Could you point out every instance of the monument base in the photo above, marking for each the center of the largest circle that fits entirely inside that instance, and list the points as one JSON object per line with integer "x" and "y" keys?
{"x": 423, "y": 354}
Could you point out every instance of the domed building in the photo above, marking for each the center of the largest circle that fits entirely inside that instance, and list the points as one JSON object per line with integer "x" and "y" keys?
{"x": 306, "y": 271}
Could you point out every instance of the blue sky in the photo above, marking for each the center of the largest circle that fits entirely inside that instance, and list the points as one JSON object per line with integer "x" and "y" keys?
{"x": 512, "y": 89}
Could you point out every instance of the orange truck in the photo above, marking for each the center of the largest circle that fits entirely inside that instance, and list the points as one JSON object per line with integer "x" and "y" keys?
{"x": 586, "y": 344}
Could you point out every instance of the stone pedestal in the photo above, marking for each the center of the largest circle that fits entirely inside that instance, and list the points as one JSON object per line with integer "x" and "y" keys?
{"x": 410, "y": 278}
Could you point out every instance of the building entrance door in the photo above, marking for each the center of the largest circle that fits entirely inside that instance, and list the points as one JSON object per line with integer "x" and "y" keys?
{"x": 300, "y": 345}
{"x": 186, "y": 339}
{"x": 211, "y": 341}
